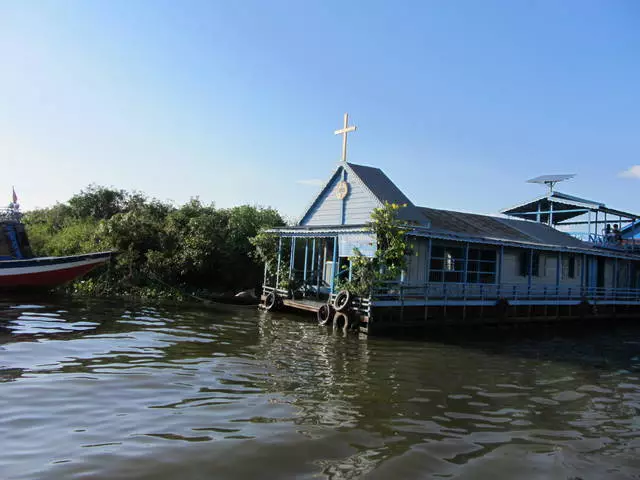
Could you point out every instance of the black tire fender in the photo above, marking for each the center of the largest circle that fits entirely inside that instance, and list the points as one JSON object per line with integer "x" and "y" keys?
{"x": 271, "y": 302}
{"x": 342, "y": 300}
{"x": 325, "y": 314}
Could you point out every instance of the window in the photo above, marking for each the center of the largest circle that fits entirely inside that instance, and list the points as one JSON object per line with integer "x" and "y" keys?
{"x": 529, "y": 262}
{"x": 571, "y": 268}
{"x": 481, "y": 266}
{"x": 447, "y": 264}
{"x": 568, "y": 266}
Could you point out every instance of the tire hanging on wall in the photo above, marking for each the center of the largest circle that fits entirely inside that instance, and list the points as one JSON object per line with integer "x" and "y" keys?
{"x": 342, "y": 300}
{"x": 325, "y": 314}
{"x": 271, "y": 302}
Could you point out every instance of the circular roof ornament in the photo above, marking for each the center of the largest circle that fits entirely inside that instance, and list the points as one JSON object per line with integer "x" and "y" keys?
{"x": 342, "y": 190}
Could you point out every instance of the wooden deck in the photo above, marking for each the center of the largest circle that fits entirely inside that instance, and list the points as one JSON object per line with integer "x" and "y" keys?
{"x": 303, "y": 304}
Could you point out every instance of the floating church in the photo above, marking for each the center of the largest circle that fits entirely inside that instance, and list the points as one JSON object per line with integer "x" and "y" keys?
{"x": 556, "y": 257}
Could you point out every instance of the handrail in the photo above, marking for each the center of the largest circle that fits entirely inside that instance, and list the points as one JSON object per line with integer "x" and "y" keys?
{"x": 469, "y": 291}
{"x": 607, "y": 241}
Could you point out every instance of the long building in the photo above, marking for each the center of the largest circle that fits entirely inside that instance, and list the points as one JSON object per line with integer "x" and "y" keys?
{"x": 464, "y": 268}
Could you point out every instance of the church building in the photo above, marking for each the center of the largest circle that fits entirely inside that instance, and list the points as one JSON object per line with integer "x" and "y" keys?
{"x": 464, "y": 268}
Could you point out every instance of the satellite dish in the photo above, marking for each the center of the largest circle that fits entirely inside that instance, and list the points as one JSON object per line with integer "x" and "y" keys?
{"x": 551, "y": 180}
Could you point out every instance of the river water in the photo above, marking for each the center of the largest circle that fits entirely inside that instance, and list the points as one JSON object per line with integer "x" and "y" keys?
{"x": 118, "y": 390}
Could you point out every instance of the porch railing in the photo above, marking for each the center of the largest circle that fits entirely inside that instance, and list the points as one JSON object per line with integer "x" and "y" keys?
{"x": 608, "y": 241}
{"x": 399, "y": 292}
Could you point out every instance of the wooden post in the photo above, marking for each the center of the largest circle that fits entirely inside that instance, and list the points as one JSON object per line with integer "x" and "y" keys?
{"x": 426, "y": 280}
{"x": 324, "y": 262}
{"x": 264, "y": 281}
{"x": 292, "y": 259}
{"x": 465, "y": 270}
{"x": 333, "y": 268}
{"x": 306, "y": 255}
{"x": 313, "y": 257}
{"x": 279, "y": 259}
{"x": 428, "y": 265}
{"x": 583, "y": 272}
{"x": 558, "y": 271}
{"x": 499, "y": 266}
{"x": 530, "y": 279}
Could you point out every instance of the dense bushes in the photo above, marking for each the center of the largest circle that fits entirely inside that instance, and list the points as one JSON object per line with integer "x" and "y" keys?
{"x": 194, "y": 246}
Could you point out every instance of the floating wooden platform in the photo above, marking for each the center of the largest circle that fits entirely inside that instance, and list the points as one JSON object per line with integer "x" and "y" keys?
{"x": 303, "y": 304}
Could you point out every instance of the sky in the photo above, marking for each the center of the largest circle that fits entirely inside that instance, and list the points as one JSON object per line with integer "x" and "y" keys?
{"x": 459, "y": 103}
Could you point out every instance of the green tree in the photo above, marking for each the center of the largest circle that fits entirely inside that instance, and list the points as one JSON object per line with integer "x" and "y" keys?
{"x": 390, "y": 259}
{"x": 193, "y": 246}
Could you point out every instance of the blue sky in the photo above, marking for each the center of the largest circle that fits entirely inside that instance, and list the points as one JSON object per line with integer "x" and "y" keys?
{"x": 236, "y": 102}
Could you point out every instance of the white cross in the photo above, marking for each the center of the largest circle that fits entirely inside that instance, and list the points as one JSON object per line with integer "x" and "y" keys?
{"x": 344, "y": 131}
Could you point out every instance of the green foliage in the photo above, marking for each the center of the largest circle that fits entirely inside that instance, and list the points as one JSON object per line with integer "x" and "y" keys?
{"x": 161, "y": 248}
{"x": 390, "y": 259}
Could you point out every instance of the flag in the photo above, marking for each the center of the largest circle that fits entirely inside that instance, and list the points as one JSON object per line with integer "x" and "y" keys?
{"x": 15, "y": 197}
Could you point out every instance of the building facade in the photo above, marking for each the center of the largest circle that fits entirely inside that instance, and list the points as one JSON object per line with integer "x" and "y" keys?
{"x": 463, "y": 267}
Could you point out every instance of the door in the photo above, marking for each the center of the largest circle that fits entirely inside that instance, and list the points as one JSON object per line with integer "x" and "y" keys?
{"x": 600, "y": 272}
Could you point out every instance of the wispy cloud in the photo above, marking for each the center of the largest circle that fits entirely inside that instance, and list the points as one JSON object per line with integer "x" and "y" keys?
{"x": 316, "y": 182}
{"x": 632, "y": 172}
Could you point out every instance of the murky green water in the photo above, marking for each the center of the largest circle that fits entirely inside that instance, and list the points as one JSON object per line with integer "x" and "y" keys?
{"x": 113, "y": 390}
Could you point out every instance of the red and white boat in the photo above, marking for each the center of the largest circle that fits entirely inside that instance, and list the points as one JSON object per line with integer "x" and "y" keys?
{"x": 20, "y": 270}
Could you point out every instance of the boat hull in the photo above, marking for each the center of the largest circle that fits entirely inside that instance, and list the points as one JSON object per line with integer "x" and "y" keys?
{"x": 47, "y": 272}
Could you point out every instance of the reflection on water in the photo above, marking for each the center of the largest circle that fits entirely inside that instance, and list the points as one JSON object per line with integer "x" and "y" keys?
{"x": 114, "y": 390}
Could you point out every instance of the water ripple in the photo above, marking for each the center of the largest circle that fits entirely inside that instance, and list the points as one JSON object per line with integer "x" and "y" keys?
{"x": 108, "y": 390}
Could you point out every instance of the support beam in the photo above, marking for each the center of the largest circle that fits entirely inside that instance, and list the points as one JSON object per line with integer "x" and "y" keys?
{"x": 530, "y": 269}
{"x": 292, "y": 259}
{"x": 320, "y": 275}
{"x": 306, "y": 256}
{"x": 547, "y": 212}
{"x": 279, "y": 260}
{"x": 466, "y": 263}
{"x": 334, "y": 270}
{"x": 428, "y": 265}
{"x": 313, "y": 256}
{"x": 499, "y": 265}
{"x": 264, "y": 280}
{"x": 324, "y": 259}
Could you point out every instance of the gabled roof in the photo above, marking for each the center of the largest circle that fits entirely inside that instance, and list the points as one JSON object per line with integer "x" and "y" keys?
{"x": 379, "y": 184}
{"x": 381, "y": 188}
{"x": 385, "y": 190}
{"x": 565, "y": 207}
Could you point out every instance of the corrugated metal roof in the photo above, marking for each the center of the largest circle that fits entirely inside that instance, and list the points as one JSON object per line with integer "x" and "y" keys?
{"x": 385, "y": 190}
{"x": 487, "y": 227}
{"x": 379, "y": 184}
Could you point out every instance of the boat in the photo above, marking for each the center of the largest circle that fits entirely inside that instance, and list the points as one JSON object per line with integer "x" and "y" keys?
{"x": 20, "y": 270}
